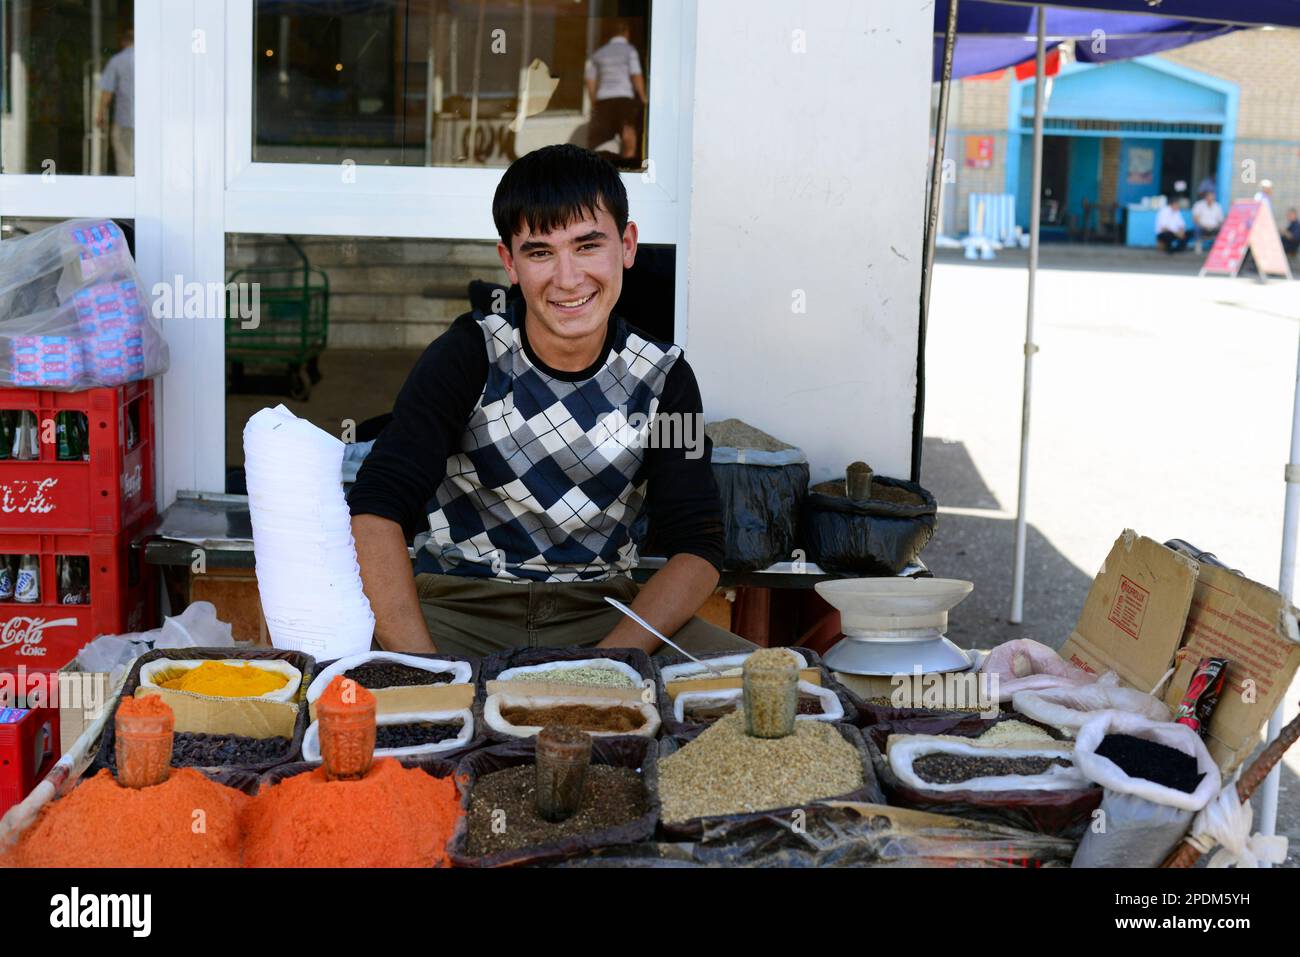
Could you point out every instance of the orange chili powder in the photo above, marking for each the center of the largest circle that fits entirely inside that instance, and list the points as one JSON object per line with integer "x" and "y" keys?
{"x": 345, "y": 693}
{"x": 187, "y": 821}
{"x": 147, "y": 705}
{"x": 393, "y": 817}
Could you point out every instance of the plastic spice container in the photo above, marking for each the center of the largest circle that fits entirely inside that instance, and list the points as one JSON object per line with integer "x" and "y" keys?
{"x": 346, "y": 712}
{"x": 563, "y": 755}
{"x": 143, "y": 729}
{"x": 770, "y": 682}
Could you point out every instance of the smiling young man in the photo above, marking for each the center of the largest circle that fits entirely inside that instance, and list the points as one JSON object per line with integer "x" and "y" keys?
{"x": 510, "y": 442}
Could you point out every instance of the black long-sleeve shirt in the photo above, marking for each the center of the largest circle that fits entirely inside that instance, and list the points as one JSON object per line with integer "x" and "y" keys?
{"x": 523, "y": 471}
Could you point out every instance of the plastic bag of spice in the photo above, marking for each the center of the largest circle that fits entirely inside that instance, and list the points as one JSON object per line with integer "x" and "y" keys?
{"x": 1141, "y": 820}
{"x": 671, "y": 665}
{"x": 410, "y": 734}
{"x": 1060, "y": 813}
{"x": 634, "y": 754}
{"x": 877, "y": 536}
{"x": 249, "y": 754}
{"x": 522, "y": 716}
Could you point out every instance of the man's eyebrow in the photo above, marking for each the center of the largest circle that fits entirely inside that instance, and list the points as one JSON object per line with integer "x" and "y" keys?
{"x": 530, "y": 245}
{"x": 591, "y": 236}
{"x": 535, "y": 244}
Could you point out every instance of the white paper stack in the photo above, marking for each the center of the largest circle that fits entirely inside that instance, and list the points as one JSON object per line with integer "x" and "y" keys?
{"x": 307, "y": 573}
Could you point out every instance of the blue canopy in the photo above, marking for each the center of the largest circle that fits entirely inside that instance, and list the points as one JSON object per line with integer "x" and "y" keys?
{"x": 995, "y": 35}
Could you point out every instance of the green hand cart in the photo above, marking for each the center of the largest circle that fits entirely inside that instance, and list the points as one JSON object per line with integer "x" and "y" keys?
{"x": 291, "y": 324}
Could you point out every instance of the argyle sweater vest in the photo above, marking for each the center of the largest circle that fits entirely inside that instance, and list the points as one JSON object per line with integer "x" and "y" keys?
{"x": 545, "y": 485}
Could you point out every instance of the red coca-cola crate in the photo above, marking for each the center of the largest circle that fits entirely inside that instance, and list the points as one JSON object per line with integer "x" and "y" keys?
{"x": 29, "y": 746}
{"x": 102, "y": 495}
{"x": 47, "y": 634}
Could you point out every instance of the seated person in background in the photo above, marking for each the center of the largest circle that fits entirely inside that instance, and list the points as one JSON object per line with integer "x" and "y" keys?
{"x": 1207, "y": 216}
{"x": 1291, "y": 233}
{"x": 513, "y": 443}
{"x": 1171, "y": 231}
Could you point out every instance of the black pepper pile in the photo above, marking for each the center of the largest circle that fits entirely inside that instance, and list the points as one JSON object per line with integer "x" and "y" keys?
{"x": 414, "y": 734}
{"x": 196, "y": 750}
{"x": 1158, "y": 763}
{"x": 389, "y": 674}
{"x": 955, "y": 768}
{"x": 611, "y": 796}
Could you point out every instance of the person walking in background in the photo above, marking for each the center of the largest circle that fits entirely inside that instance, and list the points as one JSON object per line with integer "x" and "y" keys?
{"x": 1171, "y": 230}
{"x": 1291, "y": 233}
{"x": 117, "y": 88}
{"x": 1265, "y": 194}
{"x": 616, "y": 86}
{"x": 1207, "y": 217}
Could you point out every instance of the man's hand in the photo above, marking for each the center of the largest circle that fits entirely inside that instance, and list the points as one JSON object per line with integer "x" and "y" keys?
{"x": 668, "y": 600}
{"x": 389, "y": 584}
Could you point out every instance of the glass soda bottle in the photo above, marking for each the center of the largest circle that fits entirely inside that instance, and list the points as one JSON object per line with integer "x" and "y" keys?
{"x": 28, "y": 587}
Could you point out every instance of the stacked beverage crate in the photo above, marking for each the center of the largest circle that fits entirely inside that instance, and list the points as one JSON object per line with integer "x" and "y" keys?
{"x": 76, "y": 489}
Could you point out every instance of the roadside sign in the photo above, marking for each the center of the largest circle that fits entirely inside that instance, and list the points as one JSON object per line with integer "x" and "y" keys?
{"x": 1249, "y": 226}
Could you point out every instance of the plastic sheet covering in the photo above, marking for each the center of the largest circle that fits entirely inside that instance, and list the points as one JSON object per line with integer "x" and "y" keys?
{"x": 848, "y": 834}
{"x": 73, "y": 312}
{"x": 867, "y": 537}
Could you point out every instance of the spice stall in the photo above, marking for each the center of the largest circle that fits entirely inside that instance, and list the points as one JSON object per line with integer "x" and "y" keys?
{"x": 579, "y": 757}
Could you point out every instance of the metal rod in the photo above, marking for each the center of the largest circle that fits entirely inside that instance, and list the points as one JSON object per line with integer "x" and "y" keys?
{"x": 1285, "y": 585}
{"x": 931, "y": 233}
{"x": 1035, "y": 213}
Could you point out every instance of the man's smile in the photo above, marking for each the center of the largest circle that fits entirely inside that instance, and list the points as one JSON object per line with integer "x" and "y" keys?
{"x": 572, "y": 304}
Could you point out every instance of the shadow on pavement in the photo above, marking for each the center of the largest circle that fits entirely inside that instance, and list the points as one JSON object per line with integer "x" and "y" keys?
{"x": 952, "y": 477}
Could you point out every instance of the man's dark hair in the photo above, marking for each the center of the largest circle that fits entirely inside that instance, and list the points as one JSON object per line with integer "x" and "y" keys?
{"x": 551, "y": 187}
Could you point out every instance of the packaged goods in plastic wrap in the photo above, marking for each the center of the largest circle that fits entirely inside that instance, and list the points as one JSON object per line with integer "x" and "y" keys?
{"x": 73, "y": 313}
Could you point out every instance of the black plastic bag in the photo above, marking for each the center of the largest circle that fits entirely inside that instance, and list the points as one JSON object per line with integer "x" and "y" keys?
{"x": 760, "y": 508}
{"x": 1059, "y": 813}
{"x": 638, "y": 754}
{"x": 870, "y": 537}
{"x": 107, "y": 756}
{"x": 726, "y": 826}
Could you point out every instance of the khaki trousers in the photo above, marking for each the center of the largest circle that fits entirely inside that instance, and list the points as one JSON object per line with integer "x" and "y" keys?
{"x": 123, "y": 140}
{"x": 475, "y": 617}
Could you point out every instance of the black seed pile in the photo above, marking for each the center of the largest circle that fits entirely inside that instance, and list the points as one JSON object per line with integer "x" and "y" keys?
{"x": 194, "y": 750}
{"x": 411, "y": 735}
{"x": 1139, "y": 758}
{"x": 955, "y": 768}
{"x": 388, "y": 674}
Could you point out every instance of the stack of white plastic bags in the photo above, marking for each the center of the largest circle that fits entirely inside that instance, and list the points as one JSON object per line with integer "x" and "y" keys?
{"x": 307, "y": 573}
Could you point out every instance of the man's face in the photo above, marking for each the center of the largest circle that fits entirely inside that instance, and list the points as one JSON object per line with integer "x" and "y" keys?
{"x": 1209, "y": 197}
{"x": 571, "y": 277}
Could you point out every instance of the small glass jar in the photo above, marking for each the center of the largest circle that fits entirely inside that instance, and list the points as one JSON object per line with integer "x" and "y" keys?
{"x": 771, "y": 696}
{"x": 144, "y": 747}
{"x": 563, "y": 756}
{"x": 347, "y": 736}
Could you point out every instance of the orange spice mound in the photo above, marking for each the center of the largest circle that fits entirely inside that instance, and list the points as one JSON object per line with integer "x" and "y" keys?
{"x": 393, "y": 817}
{"x": 187, "y": 821}
{"x": 147, "y": 705}
{"x": 344, "y": 692}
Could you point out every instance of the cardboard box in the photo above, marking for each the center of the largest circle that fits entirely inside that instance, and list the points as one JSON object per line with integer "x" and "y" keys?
{"x": 83, "y": 696}
{"x": 249, "y": 717}
{"x": 629, "y": 696}
{"x": 1255, "y": 628}
{"x": 1151, "y": 609}
{"x": 1132, "y": 620}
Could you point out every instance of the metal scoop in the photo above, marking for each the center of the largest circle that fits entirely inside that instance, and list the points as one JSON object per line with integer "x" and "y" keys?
{"x": 658, "y": 634}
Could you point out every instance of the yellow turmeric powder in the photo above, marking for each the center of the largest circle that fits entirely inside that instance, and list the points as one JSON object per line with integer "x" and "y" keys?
{"x": 226, "y": 681}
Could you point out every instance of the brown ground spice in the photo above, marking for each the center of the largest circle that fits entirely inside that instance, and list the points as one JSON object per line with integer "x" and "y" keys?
{"x": 581, "y": 716}
{"x": 610, "y": 797}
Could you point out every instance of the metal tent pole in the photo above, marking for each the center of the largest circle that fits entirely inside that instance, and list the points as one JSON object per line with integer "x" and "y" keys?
{"x": 1035, "y": 212}
{"x": 1286, "y": 580}
{"x": 931, "y": 232}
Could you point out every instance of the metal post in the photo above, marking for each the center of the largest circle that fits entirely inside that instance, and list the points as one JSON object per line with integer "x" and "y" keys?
{"x": 1035, "y": 212}
{"x": 931, "y": 232}
{"x": 1285, "y": 585}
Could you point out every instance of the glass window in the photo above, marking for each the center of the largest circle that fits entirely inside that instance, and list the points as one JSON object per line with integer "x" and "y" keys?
{"x": 332, "y": 325}
{"x": 448, "y": 82}
{"x": 67, "y": 87}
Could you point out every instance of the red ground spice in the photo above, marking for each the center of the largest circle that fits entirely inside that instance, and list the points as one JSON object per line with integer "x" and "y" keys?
{"x": 393, "y": 817}
{"x": 102, "y": 824}
{"x": 147, "y": 705}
